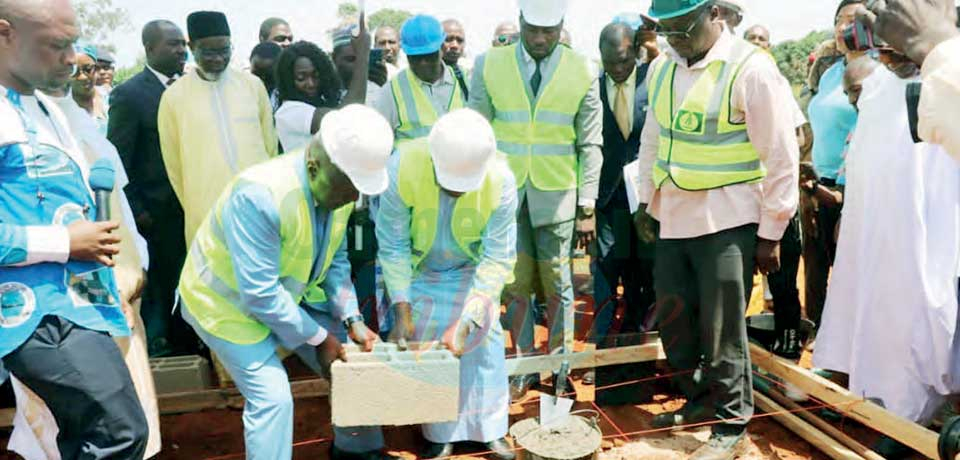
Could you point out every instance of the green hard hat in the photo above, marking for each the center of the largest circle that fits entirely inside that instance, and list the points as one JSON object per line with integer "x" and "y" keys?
{"x": 666, "y": 9}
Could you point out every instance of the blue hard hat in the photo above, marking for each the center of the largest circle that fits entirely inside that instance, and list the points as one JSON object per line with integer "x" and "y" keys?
{"x": 666, "y": 9}
{"x": 421, "y": 35}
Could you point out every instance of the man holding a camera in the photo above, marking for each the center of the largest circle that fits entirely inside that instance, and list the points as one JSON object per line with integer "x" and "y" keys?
{"x": 926, "y": 31}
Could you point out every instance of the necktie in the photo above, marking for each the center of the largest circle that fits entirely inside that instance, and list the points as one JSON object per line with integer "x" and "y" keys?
{"x": 171, "y": 81}
{"x": 621, "y": 111}
{"x": 535, "y": 80}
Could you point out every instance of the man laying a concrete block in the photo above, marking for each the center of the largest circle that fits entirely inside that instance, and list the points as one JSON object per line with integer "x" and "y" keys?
{"x": 269, "y": 268}
{"x": 447, "y": 232}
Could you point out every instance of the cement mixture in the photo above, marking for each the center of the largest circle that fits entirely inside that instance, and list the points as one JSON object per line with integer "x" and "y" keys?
{"x": 573, "y": 438}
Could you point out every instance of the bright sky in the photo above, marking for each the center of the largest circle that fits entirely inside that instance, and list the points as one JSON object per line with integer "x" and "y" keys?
{"x": 787, "y": 19}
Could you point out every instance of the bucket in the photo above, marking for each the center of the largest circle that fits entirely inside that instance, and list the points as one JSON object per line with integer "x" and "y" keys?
{"x": 575, "y": 438}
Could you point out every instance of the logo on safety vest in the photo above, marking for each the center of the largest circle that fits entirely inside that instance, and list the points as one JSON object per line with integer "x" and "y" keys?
{"x": 17, "y": 303}
{"x": 690, "y": 122}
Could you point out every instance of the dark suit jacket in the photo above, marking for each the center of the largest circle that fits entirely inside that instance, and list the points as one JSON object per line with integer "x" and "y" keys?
{"x": 617, "y": 151}
{"x": 133, "y": 130}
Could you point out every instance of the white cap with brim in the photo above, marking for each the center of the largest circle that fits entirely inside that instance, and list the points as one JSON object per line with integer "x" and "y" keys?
{"x": 359, "y": 141}
{"x": 462, "y": 146}
{"x": 543, "y": 13}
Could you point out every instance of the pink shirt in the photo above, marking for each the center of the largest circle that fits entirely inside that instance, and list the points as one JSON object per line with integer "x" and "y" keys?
{"x": 762, "y": 99}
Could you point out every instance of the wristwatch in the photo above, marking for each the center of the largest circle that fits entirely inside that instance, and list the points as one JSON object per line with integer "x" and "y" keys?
{"x": 586, "y": 212}
{"x": 349, "y": 322}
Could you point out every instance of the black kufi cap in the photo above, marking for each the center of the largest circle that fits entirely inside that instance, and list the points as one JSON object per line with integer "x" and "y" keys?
{"x": 203, "y": 24}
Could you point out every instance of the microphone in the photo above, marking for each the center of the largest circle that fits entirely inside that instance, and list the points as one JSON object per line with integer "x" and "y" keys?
{"x": 102, "y": 179}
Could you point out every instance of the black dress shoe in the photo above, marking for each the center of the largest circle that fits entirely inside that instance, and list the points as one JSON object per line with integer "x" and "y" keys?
{"x": 788, "y": 344}
{"x": 521, "y": 384}
{"x": 501, "y": 449}
{"x": 337, "y": 454}
{"x": 434, "y": 450}
{"x": 686, "y": 415}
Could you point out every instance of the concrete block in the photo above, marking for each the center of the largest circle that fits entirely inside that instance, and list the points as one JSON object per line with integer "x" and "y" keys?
{"x": 180, "y": 374}
{"x": 392, "y": 387}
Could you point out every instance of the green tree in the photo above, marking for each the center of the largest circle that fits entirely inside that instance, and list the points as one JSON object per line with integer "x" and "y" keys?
{"x": 347, "y": 11}
{"x": 792, "y": 55}
{"x": 388, "y": 17}
{"x": 99, "y": 19}
{"x": 125, "y": 73}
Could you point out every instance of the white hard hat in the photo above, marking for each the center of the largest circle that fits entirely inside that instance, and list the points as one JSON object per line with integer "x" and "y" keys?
{"x": 543, "y": 13}
{"x": 733, "y": 4}
{"x": 359, "y": 141}
{"x": 462, "y": 146}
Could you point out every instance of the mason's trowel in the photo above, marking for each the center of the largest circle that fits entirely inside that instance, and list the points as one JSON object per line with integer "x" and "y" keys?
{"x": 554, "y": 408}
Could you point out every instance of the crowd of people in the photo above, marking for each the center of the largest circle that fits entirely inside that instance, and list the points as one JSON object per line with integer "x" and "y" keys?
{"x": 390, "y": 189}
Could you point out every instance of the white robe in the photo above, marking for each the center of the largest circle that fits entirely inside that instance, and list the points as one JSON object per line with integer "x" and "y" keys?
{"x": 890, "y": 314}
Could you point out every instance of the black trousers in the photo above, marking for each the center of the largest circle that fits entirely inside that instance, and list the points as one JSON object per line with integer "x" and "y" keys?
{"x": 702, "y": 286}
{"x": 783, "y": 284}
{"x": 621, "y": 257}
{"x": 82, "y": 377}
{"x": 167, "y": 333}
{"x": 819, "y": 249}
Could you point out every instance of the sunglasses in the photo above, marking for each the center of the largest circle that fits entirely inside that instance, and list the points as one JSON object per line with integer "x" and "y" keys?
{"x": 88, "y": 70}
{"x": 684, "y": 33}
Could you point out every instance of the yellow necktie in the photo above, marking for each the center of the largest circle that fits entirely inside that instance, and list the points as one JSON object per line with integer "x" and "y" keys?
{"x": 621, "y": 111}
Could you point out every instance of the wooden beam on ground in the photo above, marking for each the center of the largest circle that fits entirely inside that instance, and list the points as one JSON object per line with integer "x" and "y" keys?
{"x": 824, "y": 426}
{"x": 833, "y": 448}
{"x": 915, "y": 436}
{"x": 649, "y": 350}
{"x": 193, "y": 401}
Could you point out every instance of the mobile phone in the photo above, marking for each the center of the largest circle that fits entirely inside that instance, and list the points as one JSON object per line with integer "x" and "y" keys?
{"x": 913, "y": 102}
{"x": 858, "y": 37}
{"x": 376, "y": 56}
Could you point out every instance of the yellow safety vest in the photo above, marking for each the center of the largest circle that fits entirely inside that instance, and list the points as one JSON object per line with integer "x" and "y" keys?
{"x": 414, "y": 109}
{"x": 208, "y": 285}
{"x": 417, "y": 185}
{"x": 545, "y": 131}
{"x": 700, "y": 147}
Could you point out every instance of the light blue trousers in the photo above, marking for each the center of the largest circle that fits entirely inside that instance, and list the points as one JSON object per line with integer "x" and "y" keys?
{"x": 263, "y": 382}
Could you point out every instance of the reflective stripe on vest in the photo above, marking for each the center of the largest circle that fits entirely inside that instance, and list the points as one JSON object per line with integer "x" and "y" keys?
{"x": 700, "y": 147}
{"x": 416, "y": 113}
{"x": 545, "y": 131}
{"x": 208, "y": 284}
{"x": 418, "y": 189}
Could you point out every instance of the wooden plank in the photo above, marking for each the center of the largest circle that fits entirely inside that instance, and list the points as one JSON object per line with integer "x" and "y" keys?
{"x": 915, "y": 436}
{"x": 824, "y": 426}
{"x": 649, "y": 350}
{"x": 193, "y": 401}
{"x": 833, "y": 448}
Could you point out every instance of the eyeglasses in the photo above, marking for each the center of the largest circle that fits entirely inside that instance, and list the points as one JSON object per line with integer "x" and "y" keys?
{"x": 87, "y": 70}
{"x": 209, "y": 53}
{"x": 682, "y": 34}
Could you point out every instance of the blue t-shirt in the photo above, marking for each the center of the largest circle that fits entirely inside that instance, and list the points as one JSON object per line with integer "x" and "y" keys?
{"x": 832, "y": 119}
